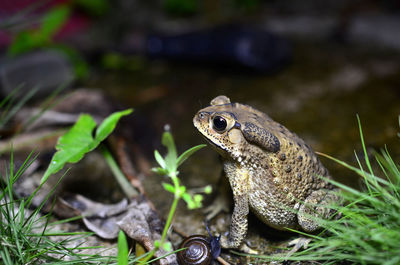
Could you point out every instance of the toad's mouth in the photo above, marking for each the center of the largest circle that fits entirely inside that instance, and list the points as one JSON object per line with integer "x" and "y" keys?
{"x": 218, "y": 148}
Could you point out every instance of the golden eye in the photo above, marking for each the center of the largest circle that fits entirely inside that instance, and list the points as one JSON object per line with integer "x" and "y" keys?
{"x": 219, "y": 124}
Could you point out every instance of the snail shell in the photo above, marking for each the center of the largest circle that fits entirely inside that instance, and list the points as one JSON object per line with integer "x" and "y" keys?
{"x": 197, "y": 252}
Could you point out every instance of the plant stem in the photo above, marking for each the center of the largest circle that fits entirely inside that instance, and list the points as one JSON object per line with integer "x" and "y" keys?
{"x": 171, "y": 214}
{"x": 122, "y": 181}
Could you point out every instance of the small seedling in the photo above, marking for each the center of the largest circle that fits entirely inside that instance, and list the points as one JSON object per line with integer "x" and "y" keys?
{"x": 168, "y": 166}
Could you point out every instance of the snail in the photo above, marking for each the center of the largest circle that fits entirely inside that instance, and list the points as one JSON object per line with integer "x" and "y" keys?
{"x": 199, "y": 249}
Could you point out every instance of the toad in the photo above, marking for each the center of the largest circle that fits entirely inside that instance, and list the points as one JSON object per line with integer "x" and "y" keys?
{"x": 272, "y": 171}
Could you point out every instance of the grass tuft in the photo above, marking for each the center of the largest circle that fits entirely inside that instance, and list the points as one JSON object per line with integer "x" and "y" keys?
{"x": 28, "y": 237}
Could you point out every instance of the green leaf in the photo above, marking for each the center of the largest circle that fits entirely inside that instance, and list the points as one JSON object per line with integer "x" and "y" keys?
{"x": 167, "y": 246}
{"x": 73, "y": 145}
{"x": 168, "y": 187}
{"x": 23, "y": 42}
{"x": 188, "y": 153}
{"x": 170, "y": 158}
{"x": 182, "y": 189}
{"x": 160, "y": 171}
{"x": 53, "y": 21}
{"x": 122, "y": 249}
{"x": 189, "y": 201}
{"x": 198, "y": 198}
{"x": 208, "y": 189}
{"x": 159, "y": 159}
{"x": 194, "y": 201}
{"x": 156, "y": 244}
{"x": 108, "y": 125}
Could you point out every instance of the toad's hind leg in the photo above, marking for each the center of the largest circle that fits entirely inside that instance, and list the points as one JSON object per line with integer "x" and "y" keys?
{"x": 317, "y": 205}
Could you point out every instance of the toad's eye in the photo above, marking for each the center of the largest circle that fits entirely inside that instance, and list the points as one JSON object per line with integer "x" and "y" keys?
{"x": 219, "y": 124}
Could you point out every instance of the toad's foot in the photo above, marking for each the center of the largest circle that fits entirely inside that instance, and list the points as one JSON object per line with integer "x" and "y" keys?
{"x": 298, "y": 243}
{"x": 220, "y": 204}
{"x": 242, "y": 247}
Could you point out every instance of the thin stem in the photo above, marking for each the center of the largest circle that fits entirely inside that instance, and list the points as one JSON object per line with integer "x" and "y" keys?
{"x": 122, "y": 181}
{"x": 171, "y": 214}
{"x": 169, "y": 220}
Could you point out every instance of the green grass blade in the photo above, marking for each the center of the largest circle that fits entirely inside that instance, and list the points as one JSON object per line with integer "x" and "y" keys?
{"x": 122, "y": 249}
{"x": 46, "y": 105}
{"x": 18, "y": 106}
{"x": 364, "y": 148}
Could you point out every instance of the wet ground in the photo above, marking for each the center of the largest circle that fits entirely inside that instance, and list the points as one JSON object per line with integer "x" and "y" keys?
{"x": 318, "y": 96}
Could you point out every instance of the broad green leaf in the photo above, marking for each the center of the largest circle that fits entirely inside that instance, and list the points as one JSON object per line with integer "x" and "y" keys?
{"x": 168, "y": 187}
{"x": 108, "y": 125}
{"x": 159, "y": 159}
{"x": 122, "y": 249}
{"x": 188, "y": 153}
{"x": 72, "y": 146}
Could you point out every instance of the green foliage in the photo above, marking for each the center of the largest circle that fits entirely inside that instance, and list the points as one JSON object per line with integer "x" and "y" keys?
{"x": 50, "y": 24}
{"x": 122, "y": 249}
{"x": 9, "y": 107}
{"x": 121, "y": 62}
{"x": 42, "y": 37}
{"x": 81, "y": 67}
{"x": 24, "y": 236}
{"x": 169, "y": 166}
{"x": 181, "y": 7}
{"x": 79, "y": 140}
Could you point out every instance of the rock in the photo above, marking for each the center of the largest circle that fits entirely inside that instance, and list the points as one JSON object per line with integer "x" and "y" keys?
{"x": 45, "y": 70}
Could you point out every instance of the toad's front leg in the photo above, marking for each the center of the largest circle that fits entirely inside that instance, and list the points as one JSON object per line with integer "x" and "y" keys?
{"x": 238, "y": 227}
{"x": 238, "y": 179}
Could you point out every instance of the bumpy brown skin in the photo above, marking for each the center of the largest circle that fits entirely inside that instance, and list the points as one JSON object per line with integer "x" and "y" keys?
{"x": 272, "y": 172}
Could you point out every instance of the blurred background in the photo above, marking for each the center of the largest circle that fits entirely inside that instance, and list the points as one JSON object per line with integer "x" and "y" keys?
{"x": 311, "y": 65}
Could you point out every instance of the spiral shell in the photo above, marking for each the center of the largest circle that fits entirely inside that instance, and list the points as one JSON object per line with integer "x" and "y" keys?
{"x": 197, "y": 251}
